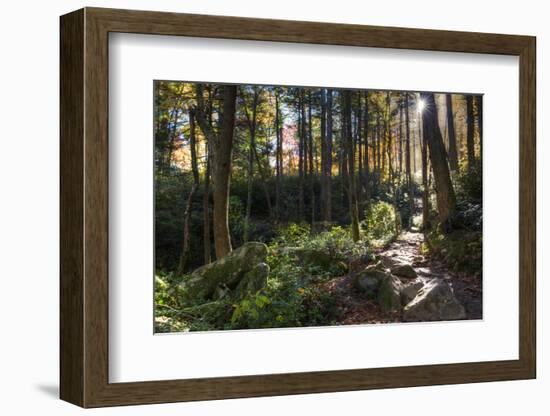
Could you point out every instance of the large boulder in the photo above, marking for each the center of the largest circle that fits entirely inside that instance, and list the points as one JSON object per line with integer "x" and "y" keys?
{"x": 368, "y": 280}
{"x": 389, "y": 294}
{"x": 228, "y": 271}
{"x": 410, "y": 290}
{"x": 404, "y": 270}
{"x": 434, "y": 302}
{"x": 253, "y": 280}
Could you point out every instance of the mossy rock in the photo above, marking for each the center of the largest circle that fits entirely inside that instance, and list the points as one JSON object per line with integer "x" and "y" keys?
{"x": 434, "y": 302}
{"x": 368, "y": 280}
{"x": 389, "y": 294}
{"x": 253, "y": 281}
{"x": 404, "y": 270}
{"x": 225, "y": 272}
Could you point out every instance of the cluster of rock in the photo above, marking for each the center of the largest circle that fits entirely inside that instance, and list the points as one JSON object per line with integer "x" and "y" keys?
{"x": 399, "y": 289}
{"x": 240, "y": 272}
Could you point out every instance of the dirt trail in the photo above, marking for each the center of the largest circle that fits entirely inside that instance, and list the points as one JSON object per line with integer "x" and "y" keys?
{"x": 355, "y": 308}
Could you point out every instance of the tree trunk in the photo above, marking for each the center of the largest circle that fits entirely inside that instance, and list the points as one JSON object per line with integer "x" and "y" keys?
{"x": 311, "y": 168}
{"x": 408, "y": 159}
{"x": 453, "y": 154}
{"x": 366, "y": 154}
{"x": 251, "y": 150}
{"x": 470, "y": 131}
{"x": 222, "y": 149}
{"x": 206, "y": 207}
{"x": 301, "y": 154}
{"x": 278, "y": 158}
{"x": 479, "y": 107}
{"x": 187, "y": 213}
{"x": 446, "y": 199}
{"x": 327, "y": 173}
{"x": 425, "y": 194}
{"x": 348, "y": 141}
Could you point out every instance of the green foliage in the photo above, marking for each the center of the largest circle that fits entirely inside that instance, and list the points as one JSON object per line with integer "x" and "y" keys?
{"x": 293, "y": 234}
{"x": 461, "y": 250}
{"x": 382, "y": 223}
{"x": 469, "y": 179}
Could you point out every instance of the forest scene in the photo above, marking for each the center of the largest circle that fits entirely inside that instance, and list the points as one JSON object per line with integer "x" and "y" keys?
{"x": 285, "y": 206}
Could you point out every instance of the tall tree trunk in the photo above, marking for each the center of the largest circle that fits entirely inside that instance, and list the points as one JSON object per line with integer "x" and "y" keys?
{"x": 206, "y": 207}
{"x": 453, "y": 154}
{"x": 251, "y": 150}
{"x": 479, "y": 107}
{"x": 222, "y": 150}
{"x": 324, "y": 162}
{"x": 327, "y": 172}
{"x": 187, "y": 213}
{"x": 311, "y": 168}
{"x": 366, "y": 155}
{"x": 301, "y": 154}
{"x": 408, "y": 159}
{"x": 446, "y": 200}
{"x": 425, "y": 187}
{"x": 401, "y": 135}
{"x": 352, "y": 191}
{"x": 470, "y": 131}
{"x": 278, "y": 158}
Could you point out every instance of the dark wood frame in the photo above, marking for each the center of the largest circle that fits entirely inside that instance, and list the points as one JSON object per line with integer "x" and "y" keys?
{"x": 84, "y": 208}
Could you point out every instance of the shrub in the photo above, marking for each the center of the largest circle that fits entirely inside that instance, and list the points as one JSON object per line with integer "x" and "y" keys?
{"x": 382, "y": 222}
{"x": 469, "y": 181}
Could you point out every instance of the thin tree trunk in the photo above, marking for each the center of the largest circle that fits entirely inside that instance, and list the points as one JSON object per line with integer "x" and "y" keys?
{"x": 453, "y": 154}
{"x": 311, "y": 169}
{"x": 408, "y": 159}
{"x": 301, "y": 155}
{"x": 251, "y": 149}
{"x": 206, "y": 207}
{"x": 352, "y": 191}
{"x": 366, "y": 155}
{"x": 479, "y": 106}
{"x": 470, "y": 131}
{"x": 187, "y": 213}
{"x": 278, "y": 159}
{"x": 425, "y": 186}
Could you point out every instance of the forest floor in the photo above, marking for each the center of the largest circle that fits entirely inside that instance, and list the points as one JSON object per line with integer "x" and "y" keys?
{"x": 355, "y": 308}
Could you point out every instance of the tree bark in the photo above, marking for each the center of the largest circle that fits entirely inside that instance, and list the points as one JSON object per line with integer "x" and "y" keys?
{"x": 470, "y": 131}
{"x": 187, "y": 213}
{"x": 222, "y": 150}
{"x": 278, "y": 158}
{"x": 479, "y": 107}
{"x": 446, "y": 200}
{"x": 453, "y": 154}
{"x": 408, "y": 158}
{"x": 348, "y": 141}
{"x": 366, "y": 153}
{"x": 206, "y": 207}
{"x": 251, "y": 150}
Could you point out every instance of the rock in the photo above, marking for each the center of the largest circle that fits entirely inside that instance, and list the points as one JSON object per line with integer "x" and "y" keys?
{"x": 434, "y": 302}
{"x": 225, "y": 272}
{"x": 253, "y": 281}
{"x": 389, "y": 294}
{"x": 404, "y": 270}
{"x": 409, "y": 292}
{"x": 369, "y": 280}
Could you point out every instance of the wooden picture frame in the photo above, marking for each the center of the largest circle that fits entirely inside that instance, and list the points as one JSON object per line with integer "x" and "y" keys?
{"x": 84, "y": 207}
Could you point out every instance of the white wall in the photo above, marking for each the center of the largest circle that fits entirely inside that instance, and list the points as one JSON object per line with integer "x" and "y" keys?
{"x": 29, "y": 206}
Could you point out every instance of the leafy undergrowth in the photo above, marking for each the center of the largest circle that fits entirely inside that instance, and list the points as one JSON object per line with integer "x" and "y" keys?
{"x": 296, "y": 294}
{"x": 460, "y": 250}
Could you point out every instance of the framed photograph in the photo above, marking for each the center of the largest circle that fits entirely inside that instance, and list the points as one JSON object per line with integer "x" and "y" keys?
{"x": 255, "y": 207}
